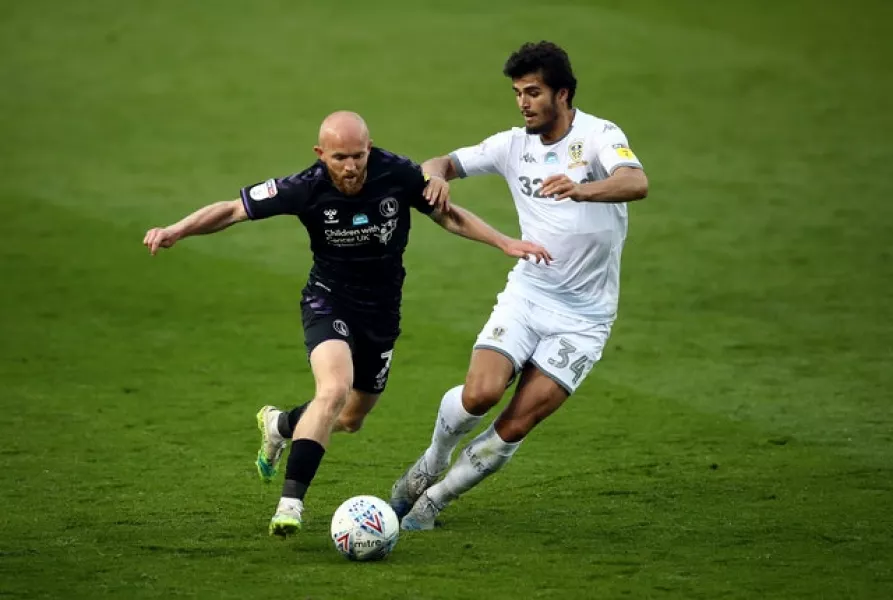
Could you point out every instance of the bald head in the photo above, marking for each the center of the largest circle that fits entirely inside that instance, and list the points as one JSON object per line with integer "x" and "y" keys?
{"x": 343, "y": 127}
{"x": 344, "y": 147}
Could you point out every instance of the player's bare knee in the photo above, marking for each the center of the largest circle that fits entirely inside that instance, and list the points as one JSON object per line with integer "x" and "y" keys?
{"x": 332, "y": 398}
{"x": 481, "y": 393}
{"x": 350, "y": 423}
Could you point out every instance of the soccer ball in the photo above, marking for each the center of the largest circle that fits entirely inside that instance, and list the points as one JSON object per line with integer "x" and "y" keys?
{"x": 365, "y": 528}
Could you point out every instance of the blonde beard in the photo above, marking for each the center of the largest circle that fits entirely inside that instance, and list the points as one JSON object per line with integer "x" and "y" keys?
{"x": 349, "y": 188}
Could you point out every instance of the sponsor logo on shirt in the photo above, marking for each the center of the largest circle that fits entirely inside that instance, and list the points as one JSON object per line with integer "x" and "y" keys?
{"x": 551, "y": 158}
{"x": 386, "y": 231}
{"x": 363, "y": 235}
{"x": 360, "y": 219}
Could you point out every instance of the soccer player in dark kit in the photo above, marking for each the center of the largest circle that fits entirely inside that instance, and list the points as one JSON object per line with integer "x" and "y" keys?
{"x": 355, "y": 204}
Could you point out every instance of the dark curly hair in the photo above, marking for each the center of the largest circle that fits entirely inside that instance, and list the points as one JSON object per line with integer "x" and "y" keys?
{"x": 546, "y": 58}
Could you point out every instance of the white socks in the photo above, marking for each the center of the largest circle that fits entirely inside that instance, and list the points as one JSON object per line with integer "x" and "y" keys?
{"x": 486, "y": 454}
{"x": 453, "y": 422}
{"x": 290, "y": 505}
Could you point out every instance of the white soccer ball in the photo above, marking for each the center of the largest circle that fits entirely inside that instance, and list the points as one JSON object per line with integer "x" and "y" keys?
{"x": 365, "y": 528}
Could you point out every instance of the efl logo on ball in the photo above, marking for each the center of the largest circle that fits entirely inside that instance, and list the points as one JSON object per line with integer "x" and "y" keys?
{"x": 365, "y": 528}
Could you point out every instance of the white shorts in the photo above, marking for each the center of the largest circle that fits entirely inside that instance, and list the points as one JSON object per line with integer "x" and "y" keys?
{"x": 562, "y": 347}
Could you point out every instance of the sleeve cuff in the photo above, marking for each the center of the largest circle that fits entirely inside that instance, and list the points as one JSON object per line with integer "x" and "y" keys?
{"x": 246, "y": 204}
{"x": 457, "y": 164}
{"x": 616, "y": 166}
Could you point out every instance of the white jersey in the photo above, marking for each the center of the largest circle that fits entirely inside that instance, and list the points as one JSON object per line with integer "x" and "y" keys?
{"x": 584, "y": 238}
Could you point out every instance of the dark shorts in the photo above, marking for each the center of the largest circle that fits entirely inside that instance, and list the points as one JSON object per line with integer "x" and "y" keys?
{"x": 371, "y": 338}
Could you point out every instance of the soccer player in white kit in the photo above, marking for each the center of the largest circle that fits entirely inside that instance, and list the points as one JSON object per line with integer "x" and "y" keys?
{"x": 570, "y": 174}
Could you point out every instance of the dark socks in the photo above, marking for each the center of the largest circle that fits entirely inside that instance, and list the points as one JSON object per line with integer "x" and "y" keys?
{"x": 303, "y": 461}
{"x": 288, "y": 420}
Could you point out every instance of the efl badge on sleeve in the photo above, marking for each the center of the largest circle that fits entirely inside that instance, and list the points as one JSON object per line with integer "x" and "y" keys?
{"x": 264, "y": 191}
{"x": 624, "y": 152}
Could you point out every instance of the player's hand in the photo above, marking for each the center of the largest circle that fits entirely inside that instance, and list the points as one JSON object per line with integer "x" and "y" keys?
{"x": 437, "y": 193}
{"x": 527, "y": 251}
{"x": 159, "y": 237}
{"x": 560, "y": 187}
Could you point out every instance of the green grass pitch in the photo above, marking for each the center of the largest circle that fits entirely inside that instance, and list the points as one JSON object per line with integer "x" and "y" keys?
{"x": 735, "y": 441}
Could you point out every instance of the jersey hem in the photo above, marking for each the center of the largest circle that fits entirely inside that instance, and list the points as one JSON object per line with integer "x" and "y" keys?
{"x": 604, "y": 320}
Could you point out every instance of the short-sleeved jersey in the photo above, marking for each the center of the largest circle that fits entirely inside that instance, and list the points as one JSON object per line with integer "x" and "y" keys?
{"x": 584, "y": 238}
{"x": 357, "y": 241}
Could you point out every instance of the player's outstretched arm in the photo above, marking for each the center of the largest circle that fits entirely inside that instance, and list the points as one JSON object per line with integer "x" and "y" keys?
{"x": 438, "y": 171}
{"x": 207, "y": 219}
{"x": 465, "y": 223}
{"x": 624, "y": 185}
{"x": 440, "y": 166}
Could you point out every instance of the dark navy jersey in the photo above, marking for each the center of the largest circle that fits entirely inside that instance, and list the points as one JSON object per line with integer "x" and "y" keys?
{"x": 357, "y": 241}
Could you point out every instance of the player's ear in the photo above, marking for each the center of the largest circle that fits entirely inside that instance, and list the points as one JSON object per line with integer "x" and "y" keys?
{"x": 369, "y": 145}
{"x": 318, "y": 151}
{"x": 562, "y": 94}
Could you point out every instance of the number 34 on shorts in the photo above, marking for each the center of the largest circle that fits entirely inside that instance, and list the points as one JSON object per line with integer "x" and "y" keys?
{"x": 568, "y": 358}
{"x": 563, "y": 347}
